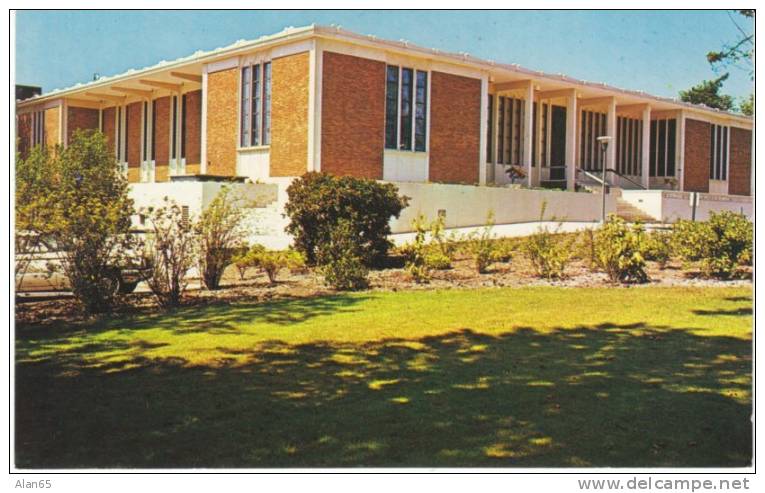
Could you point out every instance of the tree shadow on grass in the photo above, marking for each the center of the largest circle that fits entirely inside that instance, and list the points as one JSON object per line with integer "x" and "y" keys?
{"x": 610, "y": 395}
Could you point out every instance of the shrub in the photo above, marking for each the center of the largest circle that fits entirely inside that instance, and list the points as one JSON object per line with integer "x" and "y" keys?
{"x": 504, "y": 249}
{"x": 416, "y": 253}
{"x": 620, "y": 250}
{"x": 717, "y": 246}
{"x": 482, "y": 245}
{"x": 587, "y": 248}
{"x": 77, "y": 199}
{"x": 272, "y": 261}
{"x": 447, "y": 244}
{"x": 318, "y": 202}
{"x": 219, "y": 232}
{"x": 549, "y": 252}
{"x": 169, "y": 253}
{"x": 659, "y": 247}
{"x": 244, "y": 258}
{"x": 340, "y": 259}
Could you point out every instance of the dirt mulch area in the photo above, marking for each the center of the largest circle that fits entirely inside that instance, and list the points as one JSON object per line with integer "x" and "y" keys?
{"x": 255, "y": 287}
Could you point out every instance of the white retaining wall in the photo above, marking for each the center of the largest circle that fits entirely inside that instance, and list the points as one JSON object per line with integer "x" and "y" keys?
{"x": 468, "y": 205}
{"x": 667, "y": 206}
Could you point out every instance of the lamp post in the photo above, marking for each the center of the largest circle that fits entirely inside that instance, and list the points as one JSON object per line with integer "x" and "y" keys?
{"x": 603, "y": 141}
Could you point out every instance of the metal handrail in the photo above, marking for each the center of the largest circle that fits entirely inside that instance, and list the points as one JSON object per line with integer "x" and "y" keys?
{"x": 620, "y": 175}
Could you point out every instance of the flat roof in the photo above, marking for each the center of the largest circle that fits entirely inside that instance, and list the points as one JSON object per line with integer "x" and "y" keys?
{"x": 291, "y": 34}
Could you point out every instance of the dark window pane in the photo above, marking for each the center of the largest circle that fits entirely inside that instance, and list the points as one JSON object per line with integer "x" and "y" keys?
{"x": 183, "y": 127}
{"x": 490, "y": 130}
{"x": 391, "y": 108}
{"x": 406, "y": 109}
{"x": 724, "y": 175}
{"x": 421, "y": 111}
{"x": 256, "y": 106}
{"x": 174, "y": 137}
{"x": 662, "y": 163}
{"x": 654, "y": 126}
{"x": 145, "y": 129}
{"x": 245, "y": 107}
{"x": 671, "y": 146}
{"x": 501, "y": 128}
{"x": 266, "y": 103}
{"x": 154, "y": 130}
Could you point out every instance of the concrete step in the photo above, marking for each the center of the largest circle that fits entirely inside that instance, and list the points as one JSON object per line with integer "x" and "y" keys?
{"x": 631, "y": 213}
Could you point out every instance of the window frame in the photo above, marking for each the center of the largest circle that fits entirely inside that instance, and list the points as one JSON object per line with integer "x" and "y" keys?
{"x": 258, "y": 129}
{"x": 719, "y": 152}
{"x": 398, "y": 116}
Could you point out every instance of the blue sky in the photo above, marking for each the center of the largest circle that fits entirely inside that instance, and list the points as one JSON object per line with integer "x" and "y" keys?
{"x": 658, "y": 52}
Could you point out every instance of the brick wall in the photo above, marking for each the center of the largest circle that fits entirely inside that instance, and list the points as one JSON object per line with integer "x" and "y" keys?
{"x": 133, "y": 128}
{"x": 80, "y": 118}
{"x": 51, "y": 126}
{"x": 697, "y": 148}
{"x": 289, "y": 115}
{"x": 162, "y": 132}
{"x": 222, "y": 114}
{"x": 24, "y": 134}
{"x": 739, "y": 173}
{"x": 455, "y": 128}
{"x": 193, "y": 118}
{"x": 353, "y": 116}
{"x": 108, "y": 117}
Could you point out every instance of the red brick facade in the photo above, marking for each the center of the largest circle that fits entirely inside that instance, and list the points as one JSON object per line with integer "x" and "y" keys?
{"x": 108, "y": 116}
{"x": 133, "y": 127}
{"x": 193, "y": 119}
{"x": 740, "y": 164}
{"x": 455, "y": 128}
{"x": 697, "y": 149}
{"x": 80, "y": 118}
{"x": 352, "y": 116}
{"x": 289, "y": 115}
{"x": 162, "y": 130}
{"x": 222, "y": 114}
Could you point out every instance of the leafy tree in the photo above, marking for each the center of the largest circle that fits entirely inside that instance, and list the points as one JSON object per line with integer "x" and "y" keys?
{"x": 739, "y": 53}
{"x": 220, "y": 232}
{"x": 76, "y": 199}
{"x": 708, "y": 93}
{"x": 747, "y": 106}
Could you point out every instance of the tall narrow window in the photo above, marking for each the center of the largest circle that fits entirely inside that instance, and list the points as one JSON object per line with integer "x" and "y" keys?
{"x": 183, "y": 127}
{"x": 406, "y": 109}
{"x": 627, "y": 154}
{"x": 118, "y": 136}
{"x": 256, "y": 106}
{"x": 127, "y": 134}
{"x": 174, "y": 137}
{"x": 501, "y": 130}
{"x": 663, "y": 146}
{"x": 490, "y": 130}
{"x": 420, "y": 111}
{"x": 145, "y": 139}
{"x": 245, "y": 113}
{"x": 154, "y": 130}
{"x": 266, "y": 103}
{"x": 718, "y": 152}
{"x": 391, "y": 108}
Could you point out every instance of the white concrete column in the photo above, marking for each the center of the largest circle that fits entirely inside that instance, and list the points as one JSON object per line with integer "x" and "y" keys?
{"x": 571, "y": 139}
{"x": 680, "y": 139}
{"x": 645, "y": 149}
{"x": 494, "y": 139}
{"x": 482, "y": 161}
{"x": 538, "y": 155}
{"x": 203, "y": 131}
{"x": 528, "y": 130}
{"x": 611, "y": 131}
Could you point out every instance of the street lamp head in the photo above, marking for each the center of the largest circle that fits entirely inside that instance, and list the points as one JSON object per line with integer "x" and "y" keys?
{"x": 604, "y": 140}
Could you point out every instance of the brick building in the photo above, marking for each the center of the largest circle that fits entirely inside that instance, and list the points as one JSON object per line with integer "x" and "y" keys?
{"x": 326, "y": 99}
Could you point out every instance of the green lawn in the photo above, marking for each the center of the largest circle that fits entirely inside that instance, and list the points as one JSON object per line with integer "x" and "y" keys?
{"x": 492, "y": 377}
